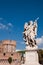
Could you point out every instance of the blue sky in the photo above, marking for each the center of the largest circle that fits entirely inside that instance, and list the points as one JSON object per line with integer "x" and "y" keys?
{"x": 13, "y": 15}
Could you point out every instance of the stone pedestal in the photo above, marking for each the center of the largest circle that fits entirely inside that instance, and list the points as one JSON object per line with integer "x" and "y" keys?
{"x": 31, "y": 56}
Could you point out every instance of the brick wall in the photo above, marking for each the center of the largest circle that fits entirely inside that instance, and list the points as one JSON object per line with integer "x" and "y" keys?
{"x": 5, "y": 62}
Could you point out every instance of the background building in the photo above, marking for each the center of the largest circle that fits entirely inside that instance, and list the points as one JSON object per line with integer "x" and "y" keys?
{"x": 8, "y": 49}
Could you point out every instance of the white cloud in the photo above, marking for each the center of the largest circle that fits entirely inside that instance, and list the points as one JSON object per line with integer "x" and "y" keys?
{"x": 18, "y": 50}
{"x": 9, "y": 24}
{"x": 39, "y": 40}
{"x": 1, "y": 18}
{"x": 6, "y": 27}
{"x": 2, "y": 26}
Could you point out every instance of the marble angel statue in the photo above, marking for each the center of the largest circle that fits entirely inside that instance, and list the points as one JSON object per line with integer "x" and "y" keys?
{"x": 30, "y": 32}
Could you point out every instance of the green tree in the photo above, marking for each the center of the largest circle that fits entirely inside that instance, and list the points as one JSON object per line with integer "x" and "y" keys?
{"x": 40, "y": 53}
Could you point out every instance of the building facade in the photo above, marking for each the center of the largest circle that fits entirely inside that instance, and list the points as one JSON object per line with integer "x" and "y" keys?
{"x": 8, "y": 49}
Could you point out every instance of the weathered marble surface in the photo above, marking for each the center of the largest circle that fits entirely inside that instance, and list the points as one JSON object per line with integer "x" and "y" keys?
{"x": 31, "y": 56}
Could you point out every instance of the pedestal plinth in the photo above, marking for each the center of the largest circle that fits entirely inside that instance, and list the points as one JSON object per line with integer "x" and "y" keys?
{"x": 31, "y": 56}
